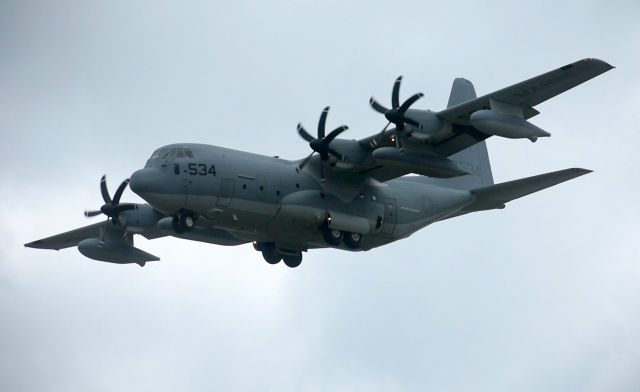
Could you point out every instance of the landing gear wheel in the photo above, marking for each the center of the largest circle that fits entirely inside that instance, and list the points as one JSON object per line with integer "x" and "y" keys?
{"x": 331, "y": 236}
{"x": 177, "y": 227}
{"x": 270, "y": 254}
{"x": 352, "y": 240}
{"x": 292, "y": 261}
{"x": 185, "y": 221}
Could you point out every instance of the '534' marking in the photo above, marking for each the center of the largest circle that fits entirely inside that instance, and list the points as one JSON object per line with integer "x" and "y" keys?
{"x": 201, "y": 169}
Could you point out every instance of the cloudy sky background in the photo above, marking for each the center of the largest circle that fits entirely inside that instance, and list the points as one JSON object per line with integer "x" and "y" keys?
{"x": 543, "y": 295}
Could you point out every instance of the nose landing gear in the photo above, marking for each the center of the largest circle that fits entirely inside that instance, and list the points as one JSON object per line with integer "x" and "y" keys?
{"x": 273, "y": 255}
{"x": 292, "y": 261}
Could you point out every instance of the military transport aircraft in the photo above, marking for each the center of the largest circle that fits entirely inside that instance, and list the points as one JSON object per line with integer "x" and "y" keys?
{"x": 349, "y": 194}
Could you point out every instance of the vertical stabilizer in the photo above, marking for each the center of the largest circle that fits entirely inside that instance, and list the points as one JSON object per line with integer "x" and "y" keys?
{"x": 461, "y": 91}
{"x": 474, "y": 159}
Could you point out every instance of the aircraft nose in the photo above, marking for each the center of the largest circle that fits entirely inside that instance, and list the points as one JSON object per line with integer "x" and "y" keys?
{"x": 145, "y": 180}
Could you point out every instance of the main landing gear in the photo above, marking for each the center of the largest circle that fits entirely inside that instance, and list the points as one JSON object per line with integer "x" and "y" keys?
{"x": 335, "y": 237}
{"x": 273, "y": 255}
{"x": 183, "y": 222}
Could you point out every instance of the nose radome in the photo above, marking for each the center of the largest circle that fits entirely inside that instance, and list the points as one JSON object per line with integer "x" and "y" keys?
{"x": 145, "y": 181}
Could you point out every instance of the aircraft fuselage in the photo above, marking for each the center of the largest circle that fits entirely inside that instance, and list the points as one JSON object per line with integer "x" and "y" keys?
{"x": 268, "y": 199}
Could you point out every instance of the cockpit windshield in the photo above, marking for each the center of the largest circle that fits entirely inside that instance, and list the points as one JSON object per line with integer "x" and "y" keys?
{"x": 168, "y": 153}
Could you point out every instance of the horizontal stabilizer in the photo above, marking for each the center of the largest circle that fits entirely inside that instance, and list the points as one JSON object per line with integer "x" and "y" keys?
{"x": 495, "y": 196}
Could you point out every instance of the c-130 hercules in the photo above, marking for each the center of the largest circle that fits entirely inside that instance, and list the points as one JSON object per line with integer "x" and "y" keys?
{"x": 348, "y": 194}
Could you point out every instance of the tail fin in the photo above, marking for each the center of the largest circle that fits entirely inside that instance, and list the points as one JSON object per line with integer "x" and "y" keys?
{"x": 474, "y": 159}
{"x": 461, "y": 91}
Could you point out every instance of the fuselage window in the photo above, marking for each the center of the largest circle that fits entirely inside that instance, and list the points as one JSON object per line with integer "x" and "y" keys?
{"x": 176, "y": 168}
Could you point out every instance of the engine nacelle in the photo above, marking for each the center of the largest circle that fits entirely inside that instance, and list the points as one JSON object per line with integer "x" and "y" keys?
{"x": 418, "y": 162}
{"x": 430, "y": 124}
{"x": 119, "y": 252}
{"x": 506, "y": 125}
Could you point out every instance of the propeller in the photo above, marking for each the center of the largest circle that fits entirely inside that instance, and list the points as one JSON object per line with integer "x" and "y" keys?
{"x": 396, "y": 114}
{"x": 111, "y": 207}
{"x": 321, "y": 144}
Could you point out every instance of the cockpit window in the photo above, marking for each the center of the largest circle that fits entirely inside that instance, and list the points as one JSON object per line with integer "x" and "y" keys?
{"x": 172, "y": 153}
{"x": 183, "y": 153}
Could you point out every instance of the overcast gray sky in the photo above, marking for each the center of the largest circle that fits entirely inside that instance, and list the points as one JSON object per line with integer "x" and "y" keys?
{"x": 543, "y": 295}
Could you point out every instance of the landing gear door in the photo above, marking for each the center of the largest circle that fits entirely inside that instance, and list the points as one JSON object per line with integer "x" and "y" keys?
{"x": 389, "y": 222}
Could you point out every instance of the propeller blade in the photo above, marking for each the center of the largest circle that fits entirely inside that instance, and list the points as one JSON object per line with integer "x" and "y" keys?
{"x": 304, "y": 134}
{"x": 89, "y": 214}
{"x": 321, "y": 143}
{"x": 410, "y": 102}
{"x": 322, "y": 122}
{"x": 377, "y": 106}
{"x": 124, "y": 207}
{"x": 118, "y": 194}
{"x": 104, "y": 190}
{"x": 329, "y": 138}
{"x": 395, "y": 94}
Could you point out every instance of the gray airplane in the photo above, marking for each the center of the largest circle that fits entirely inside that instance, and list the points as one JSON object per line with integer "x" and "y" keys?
{"x": 353, "y": 195}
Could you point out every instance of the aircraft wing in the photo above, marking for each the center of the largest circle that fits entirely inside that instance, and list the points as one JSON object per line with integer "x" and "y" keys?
{"x": 73, "y": 237}
{"x": 461, "y": 134}
{"x": 525, "y": 95}
{"x": 69, "y": 238}
{"x": 531, "y": 92}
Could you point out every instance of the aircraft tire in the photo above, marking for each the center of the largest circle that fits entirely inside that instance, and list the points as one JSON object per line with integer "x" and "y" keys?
{"x": 331, "y": 237}
{"x": 187, "y": 221}
{"x": 352, "y": 240}
{"x": 292, "y": 261}
{"x": 177, "y": 227}
{"x": 271, "y": 255}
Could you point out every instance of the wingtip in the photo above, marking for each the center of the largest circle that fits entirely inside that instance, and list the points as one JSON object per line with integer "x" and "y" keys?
{"x": 33, "y": 244}
{"x": 580, "y": 171}
{"x": 600, "y": 62}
